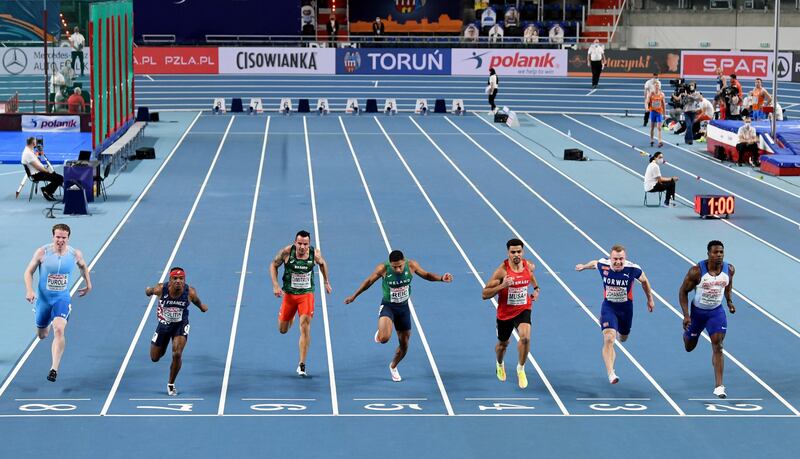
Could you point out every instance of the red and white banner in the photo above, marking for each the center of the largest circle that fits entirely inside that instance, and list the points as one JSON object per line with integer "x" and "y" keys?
{"x": 510, "y": 62}
{"x": 178, "y": 60}
{"x": 746, "y": 65}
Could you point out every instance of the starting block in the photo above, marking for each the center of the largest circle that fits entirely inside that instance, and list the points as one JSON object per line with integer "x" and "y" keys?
{"x": 390, "y": 107}
{"x": 219, "y": 105}
{"x": 256, "y": 106}
{"x": 352, "y": 106}
{"x": 286, "y": 106}
{"x": 421, "y": 108}
{"x": 322, "y": 106}
{"x": 458, "y": 107}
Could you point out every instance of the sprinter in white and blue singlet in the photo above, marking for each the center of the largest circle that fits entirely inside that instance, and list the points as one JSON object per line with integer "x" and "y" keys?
{"x": 396, "y": 274}
{"x": 55, "y": 263}
{"x": 173, "y": 320}
{"x": 711, "y": 280}
{"x": 616, "y": 313}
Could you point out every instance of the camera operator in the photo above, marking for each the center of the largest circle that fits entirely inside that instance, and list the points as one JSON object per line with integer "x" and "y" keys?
{"x": 39, "y": 171}
{"x": 675, "y": 102}
{"x": 691, "y": 105}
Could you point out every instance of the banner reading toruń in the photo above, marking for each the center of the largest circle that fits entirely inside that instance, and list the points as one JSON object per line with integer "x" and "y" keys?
{"x": 510, "y": 62}
{"x": 320, "y": 61}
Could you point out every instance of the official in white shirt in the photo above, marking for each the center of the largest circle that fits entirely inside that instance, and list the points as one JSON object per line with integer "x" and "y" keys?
{"x": 597, "y": 59}
{"x": 649, "y": 86}
{"x": 39, "y": 172}
{"x": 491, "y": 89}
{"x": 748, "y": 143}
{"x": 654, "y": 181}
{"x": 77, "y": 41}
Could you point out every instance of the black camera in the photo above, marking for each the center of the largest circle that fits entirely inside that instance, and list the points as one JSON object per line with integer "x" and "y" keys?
{"x": 39, "y": 147}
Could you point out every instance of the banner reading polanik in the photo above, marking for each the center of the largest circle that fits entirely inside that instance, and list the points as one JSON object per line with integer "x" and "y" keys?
{"x": 510, "y": 62}
{"x": 392, "y": 61}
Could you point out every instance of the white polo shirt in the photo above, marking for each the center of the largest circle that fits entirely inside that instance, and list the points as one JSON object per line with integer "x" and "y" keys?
{"x": 77, "y": 41}
{"x": 596, "y": 52}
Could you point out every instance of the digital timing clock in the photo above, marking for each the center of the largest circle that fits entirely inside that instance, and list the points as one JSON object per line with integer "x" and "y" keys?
{"x": 715, "y": 205}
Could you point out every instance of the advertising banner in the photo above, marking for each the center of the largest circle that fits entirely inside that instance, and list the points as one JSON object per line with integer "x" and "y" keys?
{"x": 746, "y": 65}
{"x": 42, "y": 123}
{"x": 177, "y": 60}
{"x": 510, "y": 62}
{"x": 30, "y": 61}
{"x": 631, "y": 63}
{"x": 320, "y": 61}
{"x": 392, "y": 61}
{"x": 796, "y": 67}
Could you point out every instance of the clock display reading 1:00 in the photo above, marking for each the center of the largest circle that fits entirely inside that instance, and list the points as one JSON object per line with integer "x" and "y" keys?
{"x": 723, "y": 205}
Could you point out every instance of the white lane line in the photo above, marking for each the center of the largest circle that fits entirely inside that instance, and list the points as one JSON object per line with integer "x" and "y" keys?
{"x": 165, "y": 399}
{"x": 640, "y": 227}
{"x": 386, "y": 399}
{"x": 167, "y": 266}
{"x": 376, "y": 83}
{"x": 500, "y": 398}
{"x": 541, "y": 260}
{"x": 656, "y": 294}
{"x": 102, "y": 250}
{"x": 691, "y": 174}
{"x": 531, "y": 359}
{"x": 149, "y": 77}
{"x": 51, "y": 399}
{"x": 279, "y": 399}
{"x": 325, "y": 319}
{"x": 431, "y": 360}
{"x": 723, "y": 400}
{"x": 235, "y": 325}
{"x": 593, "y": 91}
{"x": 612, "y": 398}
{"x": 706, "y": 158}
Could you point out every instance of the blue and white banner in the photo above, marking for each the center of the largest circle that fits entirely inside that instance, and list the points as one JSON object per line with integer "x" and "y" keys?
{"x": 510, "y": 62}
{"x": 392, "y": 61}
{"x": 42, "y": 123}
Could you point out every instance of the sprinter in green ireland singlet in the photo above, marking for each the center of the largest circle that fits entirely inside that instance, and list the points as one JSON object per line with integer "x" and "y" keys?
{"x": 298, "y": 259}
{"x": 397, "y": 274}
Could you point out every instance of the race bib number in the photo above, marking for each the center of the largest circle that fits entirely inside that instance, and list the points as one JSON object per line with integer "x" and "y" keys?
{"x": 399, "y": 294}
{"x": 173, "y": 314}
{"x": 301, "y": 280}
{"x": 711, "y": 297}
{"x": 616, "y": 294}
{"x": 517, "y": 296}
{"x": 57, "y": 282}
{"x": 656, "y": 104}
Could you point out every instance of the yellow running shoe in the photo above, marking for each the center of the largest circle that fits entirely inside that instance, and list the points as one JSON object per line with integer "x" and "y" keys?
{"x": 501, "y": 371}
{"x": 523, "y": 380}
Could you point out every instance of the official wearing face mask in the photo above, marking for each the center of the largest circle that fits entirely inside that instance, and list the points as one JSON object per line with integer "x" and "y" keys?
{"x": 654, "y": 181}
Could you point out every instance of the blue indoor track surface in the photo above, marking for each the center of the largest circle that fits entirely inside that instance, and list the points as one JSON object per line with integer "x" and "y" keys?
{"x": 228, "y": 191}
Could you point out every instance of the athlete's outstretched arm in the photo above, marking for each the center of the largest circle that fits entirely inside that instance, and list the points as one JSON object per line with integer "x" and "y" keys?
{"x": 323, "y": 266}
{"x": 497, "y": 282}
{"x": 534, "y": 282}
{"x": 84, "y": 271}
{"x": 431, "y": 277}
{"x": 379, "y": 272}
{"x": 273, "y": 269}
{"x": 588, "y": 265}
{"x": 154, "y": 290}
{"x": 196, "y": 299}
{"x": 647, "y": 291}
{"x": 30, "y": 295}
{"x": 729, "y": 288}
{"x": 689, "y": 283}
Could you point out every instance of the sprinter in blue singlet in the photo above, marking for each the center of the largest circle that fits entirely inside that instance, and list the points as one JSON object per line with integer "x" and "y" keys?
{"x": 55, "y": 263}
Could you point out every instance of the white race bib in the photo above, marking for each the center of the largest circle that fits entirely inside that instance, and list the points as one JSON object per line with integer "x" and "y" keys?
{"x": 301, "y": 281}
{"x": 616, "y": 294}
{"x": 399, "y": 294}
{"x": 711, "y": 297}
{"x": 57, "y": 282}
{"x": 173, "y": 314}
{"x": 517, "y": 296}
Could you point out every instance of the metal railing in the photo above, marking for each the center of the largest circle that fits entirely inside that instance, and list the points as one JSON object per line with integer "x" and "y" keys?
{"x": 616, "y": 21}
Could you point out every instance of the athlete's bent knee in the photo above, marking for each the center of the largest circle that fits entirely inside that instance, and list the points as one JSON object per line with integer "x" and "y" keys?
{"x": 524, "y": 341}
{"x": 176, "y": 355}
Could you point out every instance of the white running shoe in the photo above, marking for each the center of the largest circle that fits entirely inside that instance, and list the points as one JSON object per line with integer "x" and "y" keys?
{"x": 719, "y": 391}
{"x": 613, "y": 378}
{"x": 301, "y": 370}
{"x": 395, "y": 374}
{"x": 376, "y": 336}
{"x": 171, "y": 390}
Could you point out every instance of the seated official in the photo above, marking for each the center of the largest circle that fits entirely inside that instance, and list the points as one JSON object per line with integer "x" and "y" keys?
{"x": 39, "y": 172}
{"x": 654, "y": 181}
{"x": 75, "y": 103}
{"x": 748, "y": 143}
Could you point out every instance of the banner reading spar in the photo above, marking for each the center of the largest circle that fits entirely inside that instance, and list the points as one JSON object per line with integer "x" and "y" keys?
{"x": 320, "y": 61}
{"x": 746, "y": 65}
{"x": 510, "y": 62}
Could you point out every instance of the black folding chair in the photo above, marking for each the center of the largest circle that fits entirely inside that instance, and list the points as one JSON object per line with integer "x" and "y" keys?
{"x": 34, "y": 182}
{"x": 100, "y": 181}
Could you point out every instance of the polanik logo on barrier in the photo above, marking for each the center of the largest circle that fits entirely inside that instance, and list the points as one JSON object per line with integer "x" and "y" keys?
{"x": 549, "y": 62}
{"x": 394, "y": 61}
{"x": 38, "y": 123}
